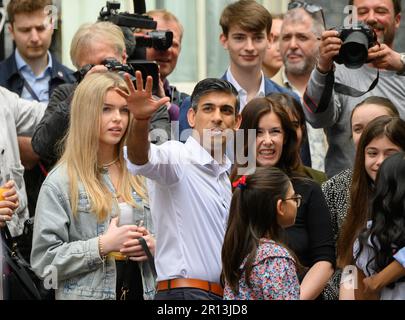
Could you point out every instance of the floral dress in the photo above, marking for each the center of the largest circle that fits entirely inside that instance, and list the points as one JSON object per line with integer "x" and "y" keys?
{"x": 273, "y": 277}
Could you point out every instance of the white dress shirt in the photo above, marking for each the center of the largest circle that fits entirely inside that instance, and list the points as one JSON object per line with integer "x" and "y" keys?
{"x": 190, "y": 196}
{"x": 243, "y": 96}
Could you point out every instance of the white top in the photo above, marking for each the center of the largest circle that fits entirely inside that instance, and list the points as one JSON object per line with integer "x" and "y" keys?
{"x": 242, "y": 92}
{"x": 190, "y": 195}
{"x": 18, "y": 117}
{"x": 366, "y": 255}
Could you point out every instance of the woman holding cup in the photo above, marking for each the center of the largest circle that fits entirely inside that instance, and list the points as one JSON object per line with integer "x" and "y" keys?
{"x": 76, "y": 227}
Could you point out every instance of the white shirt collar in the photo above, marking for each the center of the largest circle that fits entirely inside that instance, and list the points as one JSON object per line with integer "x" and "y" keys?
{"x": 242, "y": 92}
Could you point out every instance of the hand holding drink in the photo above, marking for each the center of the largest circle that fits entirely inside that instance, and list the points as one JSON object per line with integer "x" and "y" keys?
{"x": 8, "y": 202}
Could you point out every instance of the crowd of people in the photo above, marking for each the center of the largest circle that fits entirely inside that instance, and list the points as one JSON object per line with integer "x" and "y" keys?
{"x": 281, "y": 186}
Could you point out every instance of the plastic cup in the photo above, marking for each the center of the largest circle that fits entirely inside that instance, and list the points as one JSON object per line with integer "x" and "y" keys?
{"x": 2, "y": 190}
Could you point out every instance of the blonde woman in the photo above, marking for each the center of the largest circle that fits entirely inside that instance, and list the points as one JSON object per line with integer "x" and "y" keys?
{"x": 76, "y": 221}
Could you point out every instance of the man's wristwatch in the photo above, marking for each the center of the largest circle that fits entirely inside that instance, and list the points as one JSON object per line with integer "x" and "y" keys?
{"x": 402, "y": 71}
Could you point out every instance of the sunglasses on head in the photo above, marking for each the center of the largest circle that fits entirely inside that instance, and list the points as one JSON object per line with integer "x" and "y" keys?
{"x": 309, "y": 7}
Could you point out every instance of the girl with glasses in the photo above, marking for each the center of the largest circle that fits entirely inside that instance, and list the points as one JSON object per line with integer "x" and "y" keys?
{"x": 256, "y": 263}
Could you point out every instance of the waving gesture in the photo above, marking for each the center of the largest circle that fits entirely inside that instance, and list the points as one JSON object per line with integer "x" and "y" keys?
{"x": 140, "y": 101}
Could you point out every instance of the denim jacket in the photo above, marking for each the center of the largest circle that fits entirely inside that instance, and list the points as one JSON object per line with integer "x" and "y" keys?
{"x": 69, "y": 245}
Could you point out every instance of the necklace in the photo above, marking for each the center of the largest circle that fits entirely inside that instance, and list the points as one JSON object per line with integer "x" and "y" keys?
{"x": 109, "y": 164}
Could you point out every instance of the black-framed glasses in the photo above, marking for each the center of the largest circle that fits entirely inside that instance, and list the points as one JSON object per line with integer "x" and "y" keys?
{"x": 309, "y": 7}
{"x": 297, "y": 198}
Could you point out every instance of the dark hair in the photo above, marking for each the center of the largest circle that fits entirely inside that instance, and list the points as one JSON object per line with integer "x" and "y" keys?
{"x": 397, "y": 5}
{"x": 25, "y": 6}
{"x": 253, "y": 215}
{"x": 249, "y": 15}
{"x": 388, "y": 213}
{"x": 252, "y": 113}
{"x": 362, "y": 186}
{"x": 213, "y": 85}
{"x": 287, "y": 101}
{"x": 380, "y": 101}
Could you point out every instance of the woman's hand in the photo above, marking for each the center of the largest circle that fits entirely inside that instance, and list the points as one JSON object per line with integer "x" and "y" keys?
{"x": 9, "y": 203}
{"x": 133, "y": 249}
{"x": 115, "y": 237}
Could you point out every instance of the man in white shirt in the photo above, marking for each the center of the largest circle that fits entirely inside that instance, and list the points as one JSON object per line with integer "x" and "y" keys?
{"x": 189, "y": 188}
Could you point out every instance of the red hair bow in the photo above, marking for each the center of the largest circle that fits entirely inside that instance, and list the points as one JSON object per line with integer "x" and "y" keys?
{"x": 240, "y": 183}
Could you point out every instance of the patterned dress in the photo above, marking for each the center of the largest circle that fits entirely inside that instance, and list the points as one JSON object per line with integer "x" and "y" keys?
{"x": 337, "y": 195}
{"x": 273, "y": 277}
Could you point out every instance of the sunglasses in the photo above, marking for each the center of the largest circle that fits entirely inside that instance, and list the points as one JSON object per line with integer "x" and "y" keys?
{"x": 309, "y": 7}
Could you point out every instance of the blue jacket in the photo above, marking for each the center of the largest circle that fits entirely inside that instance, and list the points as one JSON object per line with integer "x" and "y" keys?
{"x": 11, "y": 79}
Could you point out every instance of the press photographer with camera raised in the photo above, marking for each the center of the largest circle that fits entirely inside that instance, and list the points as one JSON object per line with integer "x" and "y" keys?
{"x": 96, "y": 47}
{"x": 167, "y": 59}
{"x": 327, "y": 105}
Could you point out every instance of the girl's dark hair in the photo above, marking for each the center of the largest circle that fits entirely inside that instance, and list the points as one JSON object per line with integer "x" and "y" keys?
{"x": 388, "y": 213}
{"x": 253, "y": 215}
{"x": 287, "y": 101}
{"x": 362, "y": 185}
{"x": 252, "y": 113}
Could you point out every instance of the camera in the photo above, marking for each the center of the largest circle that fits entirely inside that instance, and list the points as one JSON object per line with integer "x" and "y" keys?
{"x": 111, "y": 64}
{"x": 125, "y": 19}
{"x": 147, "y": 68}
{"x": 357, "y": 39}
{"x": 158, "y": 39}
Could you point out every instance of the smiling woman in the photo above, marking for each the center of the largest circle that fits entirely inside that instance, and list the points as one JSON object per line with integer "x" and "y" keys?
{"x": 276, "y": 146}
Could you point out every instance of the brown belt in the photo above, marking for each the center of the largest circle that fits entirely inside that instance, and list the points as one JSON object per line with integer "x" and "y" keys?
{"x": 212, "y": 287}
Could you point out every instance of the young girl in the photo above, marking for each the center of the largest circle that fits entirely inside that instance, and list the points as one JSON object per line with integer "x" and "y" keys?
{"x": 256, "y": 265}
{"x": 311, "y": 236}
{"x": 76, "y": 225}
{"x": 337, "y": 189}
{"x": 382, "y": 137}
{"x": 375, "y": 248}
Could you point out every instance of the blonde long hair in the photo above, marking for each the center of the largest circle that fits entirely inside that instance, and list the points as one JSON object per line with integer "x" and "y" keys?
{"x": 82, "y": 143}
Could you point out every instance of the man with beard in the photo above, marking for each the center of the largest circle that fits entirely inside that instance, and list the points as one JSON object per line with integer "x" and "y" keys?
{"x": 332, "y": 112}
{"x": 299, "y": 47}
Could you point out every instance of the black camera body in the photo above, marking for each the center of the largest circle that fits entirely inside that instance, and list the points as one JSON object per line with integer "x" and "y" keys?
{"x": 125, "y": 19}
{"x": 111, "y": 64}
{"x": 159, "y": 39}
{"x": 357, "y": 39}
{"x": 147, "y": 68}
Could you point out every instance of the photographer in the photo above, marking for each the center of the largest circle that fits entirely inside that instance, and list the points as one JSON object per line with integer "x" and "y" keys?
{"x": 328, "y": 109}
{"x": 91, "y": 45}
{"x": 167, "y": 59}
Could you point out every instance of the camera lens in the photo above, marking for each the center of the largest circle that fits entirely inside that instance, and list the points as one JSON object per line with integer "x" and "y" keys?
{"x": 354, "y": 50}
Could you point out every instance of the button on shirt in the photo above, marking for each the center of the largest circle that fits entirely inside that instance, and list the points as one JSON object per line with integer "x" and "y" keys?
{"x": 190, "y": 195}
{"x": 242, "y": 92}
{"x": 39, "y": 84}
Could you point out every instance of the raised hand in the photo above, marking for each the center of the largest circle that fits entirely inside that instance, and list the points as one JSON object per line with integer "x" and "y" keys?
{"x": 329, "y": 48}
{"x": 140, "y": 101}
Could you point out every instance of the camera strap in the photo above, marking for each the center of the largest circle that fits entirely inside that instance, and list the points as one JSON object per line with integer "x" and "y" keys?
{"x": 349, "y": 91}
